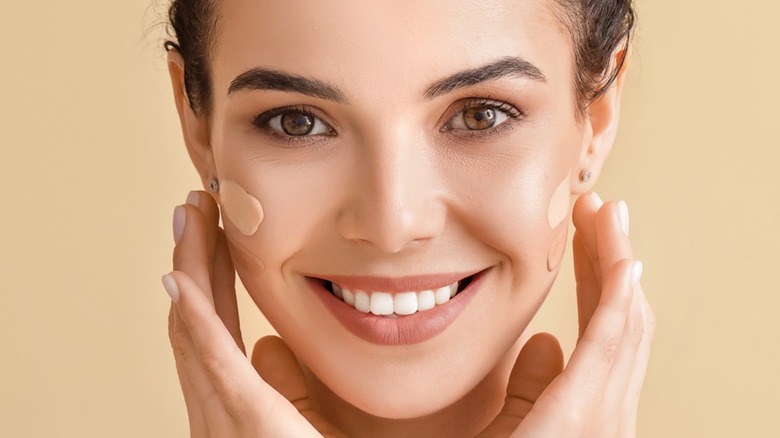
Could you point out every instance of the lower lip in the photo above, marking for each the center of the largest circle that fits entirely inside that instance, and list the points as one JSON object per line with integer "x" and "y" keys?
{"x": 404, "y": 330}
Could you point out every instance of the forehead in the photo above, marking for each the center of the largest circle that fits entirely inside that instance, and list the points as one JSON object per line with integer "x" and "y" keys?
{"x": 370, "y": 48}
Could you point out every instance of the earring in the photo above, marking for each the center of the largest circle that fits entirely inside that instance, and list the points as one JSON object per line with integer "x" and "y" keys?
{"x": 214, "y": 185}
{"x": 585, "y": 175}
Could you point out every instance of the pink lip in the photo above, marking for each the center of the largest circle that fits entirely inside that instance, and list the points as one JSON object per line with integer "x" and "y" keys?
{"x": 404, "y": 330}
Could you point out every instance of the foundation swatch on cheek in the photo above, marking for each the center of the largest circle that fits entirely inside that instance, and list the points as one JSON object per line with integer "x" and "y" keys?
{"x": 556, "y": 213}
{"x": 243, "y": 209}
{"x": 559, "y": 204}
{"x": 555, "y": 255}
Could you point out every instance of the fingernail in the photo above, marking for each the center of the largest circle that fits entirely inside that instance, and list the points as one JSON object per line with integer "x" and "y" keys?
{"x": 169, "y": 283}
{"x": 622, "y": 210}
{"x": 636, "y": 272}
{"x": 179, "y": 217}
{"x": 596, "y": 199}
{"x": 193, "y": 198}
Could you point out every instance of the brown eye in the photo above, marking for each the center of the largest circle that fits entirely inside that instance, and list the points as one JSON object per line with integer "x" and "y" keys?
{"x": 290, "y": 122}
{"x": 479, "y": 118}
{"x": 295, "y": 123}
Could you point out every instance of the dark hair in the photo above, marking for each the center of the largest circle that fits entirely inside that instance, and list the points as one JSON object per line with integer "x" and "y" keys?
{"x": 597, "y": 28}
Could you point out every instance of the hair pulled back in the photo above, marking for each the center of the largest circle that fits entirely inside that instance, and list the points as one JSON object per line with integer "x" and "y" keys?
{"x": 598, "y": 28}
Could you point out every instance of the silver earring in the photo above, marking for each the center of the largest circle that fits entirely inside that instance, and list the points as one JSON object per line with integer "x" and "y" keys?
{"x": 214, "y": 185}
{"x": 585, "y": 176}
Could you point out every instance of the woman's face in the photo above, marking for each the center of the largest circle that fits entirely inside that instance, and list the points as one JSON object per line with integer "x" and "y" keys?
{"x": 397, "y": 147}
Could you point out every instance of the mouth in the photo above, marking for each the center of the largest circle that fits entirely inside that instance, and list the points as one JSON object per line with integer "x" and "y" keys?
{"x": 403, "y": 301}
{"x": 397, "y": 310}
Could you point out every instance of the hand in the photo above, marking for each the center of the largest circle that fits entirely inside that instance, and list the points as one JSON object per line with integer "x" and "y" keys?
{"x": 223, "y": 391}
{"x": 597, "y": 394}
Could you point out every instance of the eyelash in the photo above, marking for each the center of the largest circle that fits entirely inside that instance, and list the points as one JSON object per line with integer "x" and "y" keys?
{"x": 513, "y": 115}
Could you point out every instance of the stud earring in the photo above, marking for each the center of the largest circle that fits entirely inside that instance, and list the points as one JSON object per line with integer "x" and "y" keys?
{"x": 585, "y": 176}
{"x": 214, "y": 185}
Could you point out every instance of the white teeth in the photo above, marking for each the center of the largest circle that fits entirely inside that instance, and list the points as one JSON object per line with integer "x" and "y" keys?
{"x": 394, "y": 305}
{"x": 405, "y": 303}
{"x": 337, "y": 291}
{"x": 425, "y": 300}
{"x": 349, "y": 297}
{"x": 442, "y": 295}
{"x": 362, "y": 301}
{"x": 381, "y": 303}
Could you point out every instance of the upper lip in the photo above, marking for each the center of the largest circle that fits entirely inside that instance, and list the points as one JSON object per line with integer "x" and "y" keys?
{"x": 396, "y": 284}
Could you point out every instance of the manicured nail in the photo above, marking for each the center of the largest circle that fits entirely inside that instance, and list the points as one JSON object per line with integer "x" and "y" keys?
{"x": 596, "y": 199}
{"x": 622, "y": 210}
{"x": 193, "y": 198}
{"x": 169, "y": 283}
{"x": 636, "y": 272}
{"x": 179, "y": 217}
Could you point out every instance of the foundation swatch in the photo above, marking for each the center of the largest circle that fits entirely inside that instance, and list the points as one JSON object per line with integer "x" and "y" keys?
{"x": 559, "y": 204}
{"x": 556, "y": 213}
{"x": 558, "y": 247}
{"x": 243, "y": 209}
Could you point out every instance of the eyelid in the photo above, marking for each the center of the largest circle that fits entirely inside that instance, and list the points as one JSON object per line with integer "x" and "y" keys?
{"x": 512, "y": 112}
{"x": 261, "y": 123}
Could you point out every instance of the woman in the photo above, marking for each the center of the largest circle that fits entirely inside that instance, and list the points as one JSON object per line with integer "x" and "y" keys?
{"x": 394, "y": 180}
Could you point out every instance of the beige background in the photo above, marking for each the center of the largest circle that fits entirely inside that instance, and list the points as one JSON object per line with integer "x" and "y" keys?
{"x": 92, "y": 164}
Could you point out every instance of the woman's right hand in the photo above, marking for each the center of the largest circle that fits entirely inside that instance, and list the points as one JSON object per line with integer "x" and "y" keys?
{"x": 223, "y": 391}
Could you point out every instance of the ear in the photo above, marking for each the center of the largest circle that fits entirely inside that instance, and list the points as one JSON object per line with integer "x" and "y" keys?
{"x": 194, "y": 127}
{"x": 601, "y": 125}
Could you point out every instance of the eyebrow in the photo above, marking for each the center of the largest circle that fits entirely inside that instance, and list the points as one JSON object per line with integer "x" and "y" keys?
{"x": 265, "y": 79}
{"x": 505, "y": 67}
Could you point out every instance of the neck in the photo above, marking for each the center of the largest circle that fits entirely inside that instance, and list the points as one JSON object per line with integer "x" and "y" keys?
{"x": 464, "y": 418}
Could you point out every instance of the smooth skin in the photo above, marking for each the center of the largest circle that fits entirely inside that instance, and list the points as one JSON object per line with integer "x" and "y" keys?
{"x": 595, "y": 395}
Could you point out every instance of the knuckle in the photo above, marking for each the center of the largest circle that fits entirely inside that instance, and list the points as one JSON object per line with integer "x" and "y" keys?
{"x": 610, "y": 348}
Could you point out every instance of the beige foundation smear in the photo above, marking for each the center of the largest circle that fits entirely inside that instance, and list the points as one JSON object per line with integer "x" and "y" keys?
{"x": 559, "y": 208}
{"x": 243, "y": 209}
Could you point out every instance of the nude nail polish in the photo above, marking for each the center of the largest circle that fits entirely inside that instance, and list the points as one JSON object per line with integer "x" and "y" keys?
{"x": 193, "y": 198}
{"x": 622, "y": 210}
{"x": 636, "y": 272}
{"x": 179, "y": 217}
{"x": 171, "y": 288}
{"x": 596, "y": 199}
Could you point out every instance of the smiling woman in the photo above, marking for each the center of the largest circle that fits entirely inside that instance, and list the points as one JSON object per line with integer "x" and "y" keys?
{"x": 394, "y": 184}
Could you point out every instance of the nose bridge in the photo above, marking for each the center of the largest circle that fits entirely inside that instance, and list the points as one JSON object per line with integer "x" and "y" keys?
{"x": 395, "y": 200}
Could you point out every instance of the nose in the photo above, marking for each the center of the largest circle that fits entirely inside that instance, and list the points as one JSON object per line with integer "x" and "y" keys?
{"x": 396, "y": 196}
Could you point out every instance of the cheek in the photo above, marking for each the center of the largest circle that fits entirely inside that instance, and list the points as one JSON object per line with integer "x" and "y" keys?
{"x": 518, "y": 208}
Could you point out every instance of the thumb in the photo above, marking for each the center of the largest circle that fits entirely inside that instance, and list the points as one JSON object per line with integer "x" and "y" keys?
{"x": 539, "y": 362}
{"x": 279, "y": 367}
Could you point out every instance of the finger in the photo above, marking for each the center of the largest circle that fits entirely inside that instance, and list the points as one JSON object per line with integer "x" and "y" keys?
{"x": 279, "y": 367}
{"x": 255, "y": 407}
{"x": 623, "y": 368}
{"x": 232, "y": 376}
{"x": 583, "y": 216}
{"x": 539, "y": 362}
{"x": 577, "y": 391}
{"x": 191, "y": 252}
{"x": 631, "y": 402}
{"x": 195, "y": 415}
{"x": 222, "y": 277}
{"x": 612, "y": 242}
{"x": 588, "y": 284}
{"x": 224, "y": 290}
{"x": 205, "y": 398}
{"x": 586, "y": 261}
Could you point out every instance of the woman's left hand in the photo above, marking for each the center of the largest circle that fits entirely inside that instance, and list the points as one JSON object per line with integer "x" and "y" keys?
{"x": 597, "y": 394}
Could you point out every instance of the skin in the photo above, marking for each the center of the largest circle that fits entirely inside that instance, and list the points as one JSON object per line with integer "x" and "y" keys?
{"x": 399, "y": 191}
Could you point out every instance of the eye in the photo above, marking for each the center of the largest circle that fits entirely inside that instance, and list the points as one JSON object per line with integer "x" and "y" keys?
{"x": 292, "y": 122}
{"x": 481, "y": 115}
